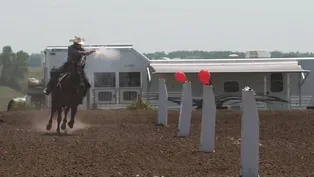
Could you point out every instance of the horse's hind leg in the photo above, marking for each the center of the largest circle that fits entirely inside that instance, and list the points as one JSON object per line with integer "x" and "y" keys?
{"x": 53, "y": 110}
{"x": 66, "y": 111}
{"x": 59, "y": 119}
{"x": 73, "y": 113}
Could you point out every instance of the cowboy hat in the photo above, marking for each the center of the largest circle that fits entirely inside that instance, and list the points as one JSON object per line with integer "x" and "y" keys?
{"x": 78, "y": 40}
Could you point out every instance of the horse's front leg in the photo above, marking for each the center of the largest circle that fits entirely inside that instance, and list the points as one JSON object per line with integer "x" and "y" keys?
{"x": 73, "y": 113}
{"x": 66, "y": 111}
{"x": 53, "y": 110}
{"x": 59, "y": 119}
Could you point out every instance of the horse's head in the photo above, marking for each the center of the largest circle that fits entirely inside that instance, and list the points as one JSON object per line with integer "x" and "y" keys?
{"x": 71, "y": 81}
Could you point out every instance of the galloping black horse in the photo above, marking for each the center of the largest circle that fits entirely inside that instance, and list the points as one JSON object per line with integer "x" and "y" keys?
{"x": 66, "y": 94}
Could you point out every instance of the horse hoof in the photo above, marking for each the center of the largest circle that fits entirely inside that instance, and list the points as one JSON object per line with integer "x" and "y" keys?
{"x": 48, "y": 127}
{"x": 63, "y": 126}
{"x": 70, "y": 124}
{"x": 58, "y": 130}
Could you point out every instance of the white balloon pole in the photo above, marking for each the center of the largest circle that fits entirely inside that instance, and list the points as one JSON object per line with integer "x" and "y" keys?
{"x": 208, "y": 120}
{"x": 162, "y": 103}
{"x": 185, "y": 110}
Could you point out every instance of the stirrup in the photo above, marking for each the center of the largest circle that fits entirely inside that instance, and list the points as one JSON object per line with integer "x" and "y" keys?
{"x": 46, "y": 92}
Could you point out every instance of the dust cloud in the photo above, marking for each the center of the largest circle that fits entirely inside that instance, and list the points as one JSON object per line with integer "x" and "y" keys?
{"x": 40, "y": 126}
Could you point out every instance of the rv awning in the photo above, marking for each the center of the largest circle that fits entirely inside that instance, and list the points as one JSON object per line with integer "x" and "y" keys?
{"x": 239, "y": 67}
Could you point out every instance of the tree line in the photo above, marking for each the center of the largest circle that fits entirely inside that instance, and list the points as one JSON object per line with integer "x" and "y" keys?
{"x": 14, "y": 65}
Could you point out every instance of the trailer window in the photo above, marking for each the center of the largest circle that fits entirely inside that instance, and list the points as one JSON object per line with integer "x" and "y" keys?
{"x": 130, "y": 96}
{"x": 104, "y": 79}
{"x": 276, "y": 82}
{"x": 231, "y": 86}
{"x": 105, "y": 96}
{"x": 130, "y": 79}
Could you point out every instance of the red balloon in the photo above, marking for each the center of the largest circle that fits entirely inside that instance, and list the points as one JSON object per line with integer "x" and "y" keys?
{"x": 204, "y": 76}
{"x": 180, "y": 77}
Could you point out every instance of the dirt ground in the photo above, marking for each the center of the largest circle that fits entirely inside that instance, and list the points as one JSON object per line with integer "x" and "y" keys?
{"x": 128, "y": 143}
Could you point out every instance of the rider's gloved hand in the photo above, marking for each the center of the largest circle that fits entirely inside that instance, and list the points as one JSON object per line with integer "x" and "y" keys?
{"x": 90, "y": 52}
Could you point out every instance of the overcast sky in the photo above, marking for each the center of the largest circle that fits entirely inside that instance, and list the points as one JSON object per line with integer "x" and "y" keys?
{"x": 160, "y": 25}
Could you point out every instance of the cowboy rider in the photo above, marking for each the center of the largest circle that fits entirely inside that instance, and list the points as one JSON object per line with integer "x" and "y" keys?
{"x": 75, "y": 53}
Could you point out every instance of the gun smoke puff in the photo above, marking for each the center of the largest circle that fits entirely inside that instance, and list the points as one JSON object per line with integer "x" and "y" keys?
{"x": 107, "y": 54}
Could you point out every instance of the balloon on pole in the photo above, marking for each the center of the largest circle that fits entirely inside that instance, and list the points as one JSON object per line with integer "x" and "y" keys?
{"x": 204, "y": 76}
{"x": 180, "y": 77}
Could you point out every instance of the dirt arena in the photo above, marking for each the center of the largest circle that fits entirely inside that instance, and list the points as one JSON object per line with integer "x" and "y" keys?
{"x": 128, "y": 143}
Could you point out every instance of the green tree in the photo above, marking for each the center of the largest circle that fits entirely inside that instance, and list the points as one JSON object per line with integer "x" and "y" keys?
{"x": 34, "y": 60}
{"x": 156, "y": 55}
{"x": 6, "y": 57}
{"x": 20, "y": 65}
{"x": 14, "y": 67}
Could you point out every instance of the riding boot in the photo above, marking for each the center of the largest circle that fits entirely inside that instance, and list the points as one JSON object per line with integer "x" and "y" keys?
{"x": 81, "y": 100}
{"x": 85, "y": 91}
{"x": 47, "y": 89}
{"x": 82, "y": 97}
{"x": 81, "y": 89}
{"x": 87, "y": 85}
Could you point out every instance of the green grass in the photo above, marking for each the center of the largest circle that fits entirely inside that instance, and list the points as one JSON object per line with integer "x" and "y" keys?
{"x": 35, "y": 72}
{"x": 6, "y": 93}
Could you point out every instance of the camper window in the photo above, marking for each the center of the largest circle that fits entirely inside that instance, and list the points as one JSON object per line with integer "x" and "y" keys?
{"x": 105, "y": 79}
{"x": 231, "y": 86}
{"x": 276, "y": 82}
{"x": 130, "y": 79}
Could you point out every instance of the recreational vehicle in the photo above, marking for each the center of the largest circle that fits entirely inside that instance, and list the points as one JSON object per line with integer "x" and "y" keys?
{"x": 279, "y": 83}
